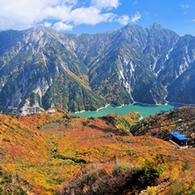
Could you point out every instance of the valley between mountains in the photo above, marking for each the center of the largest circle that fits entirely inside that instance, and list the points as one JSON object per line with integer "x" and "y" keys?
{"x": 40, "y": 67}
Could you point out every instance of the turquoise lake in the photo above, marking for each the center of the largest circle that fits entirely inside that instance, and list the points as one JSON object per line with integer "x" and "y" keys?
{"x": 144, "y": 110}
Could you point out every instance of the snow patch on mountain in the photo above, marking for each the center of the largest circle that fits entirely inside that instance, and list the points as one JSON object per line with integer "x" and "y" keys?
{"x": 154, "y": 99}
{"x": 124, "y": 71}
{"x": 42, "y": 87}
{"x": 168, "y": 54}
{"x": 154, "y": 64}
{"x": 183, "y": 67}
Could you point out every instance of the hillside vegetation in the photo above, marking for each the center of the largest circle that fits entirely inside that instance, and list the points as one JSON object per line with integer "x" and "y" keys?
{"x": 64, "y": 154}
{"x": 40, "y": 67}
{"x": 160, "y": 125}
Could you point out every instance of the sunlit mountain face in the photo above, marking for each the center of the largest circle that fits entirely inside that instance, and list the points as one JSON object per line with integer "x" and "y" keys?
{"x": 41, "y": 67}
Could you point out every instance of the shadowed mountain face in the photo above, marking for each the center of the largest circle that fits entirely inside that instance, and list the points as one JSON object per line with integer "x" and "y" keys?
{"x": 40, "y": 67}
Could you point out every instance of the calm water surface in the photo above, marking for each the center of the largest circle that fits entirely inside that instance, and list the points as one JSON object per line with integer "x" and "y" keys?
{"x": 144, "y": 110}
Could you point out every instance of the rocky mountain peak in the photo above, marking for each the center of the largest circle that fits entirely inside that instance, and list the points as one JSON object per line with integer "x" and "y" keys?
{"x": 39, "y": 28}
{"x": 155, "y": 26}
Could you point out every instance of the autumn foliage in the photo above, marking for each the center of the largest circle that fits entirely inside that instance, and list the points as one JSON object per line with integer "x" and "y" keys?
{"x": 48, "y": 154}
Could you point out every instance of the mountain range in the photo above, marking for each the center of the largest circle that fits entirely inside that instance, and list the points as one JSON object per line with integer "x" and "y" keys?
{"x": 41, "y": 68}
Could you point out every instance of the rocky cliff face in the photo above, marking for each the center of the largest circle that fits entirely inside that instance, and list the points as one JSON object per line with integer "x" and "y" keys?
{"x": 41, "y": 66}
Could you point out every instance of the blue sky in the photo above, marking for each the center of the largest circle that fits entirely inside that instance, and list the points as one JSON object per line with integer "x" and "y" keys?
{"x": 92, "y": 16}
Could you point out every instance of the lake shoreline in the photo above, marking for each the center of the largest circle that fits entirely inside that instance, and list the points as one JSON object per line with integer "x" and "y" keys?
{"x": 143, "y": 109}
{"x": 134, "y": 103}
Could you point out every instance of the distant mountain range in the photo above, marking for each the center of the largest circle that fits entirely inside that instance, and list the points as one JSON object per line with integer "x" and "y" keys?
{"x": 41, "y": 67}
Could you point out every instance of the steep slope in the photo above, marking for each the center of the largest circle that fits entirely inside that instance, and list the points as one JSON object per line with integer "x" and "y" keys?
{"x": 134, "y": 64}
{"x": 40, "y": 67}
{"x": 41, "y": 62}
{"x": 180, "y": 59}
{"x": 178, "y": 73}
{"x": 183, "y": 88}
{"x": 123, "y": 71}
{"x": 160, "y": 43}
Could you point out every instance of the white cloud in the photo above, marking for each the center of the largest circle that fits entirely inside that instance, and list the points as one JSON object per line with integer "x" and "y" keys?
{"x": 60, "y": 26}
{"x": 47, "y": 24}
{"x": 135, "y": 17}
{"x": 124, "y": 20}
{"x": 23, "y": 14}
{"x": 101, "y": 4}
{"x": 59, "y": 12}
{"x": 186, "y": 6}
{"x": 89, "y": 15}
{"x": 193, "y": 20}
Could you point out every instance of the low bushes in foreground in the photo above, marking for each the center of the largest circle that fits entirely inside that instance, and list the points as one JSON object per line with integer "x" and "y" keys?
{"x": 112, "y": 179}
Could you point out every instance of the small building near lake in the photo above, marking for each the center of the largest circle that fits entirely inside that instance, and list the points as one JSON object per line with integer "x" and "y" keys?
{"x": 51, "y": 111}
{"x": 178, "y": 140}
